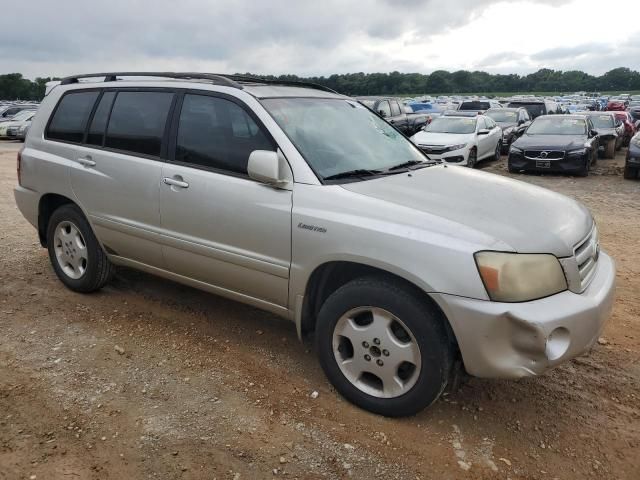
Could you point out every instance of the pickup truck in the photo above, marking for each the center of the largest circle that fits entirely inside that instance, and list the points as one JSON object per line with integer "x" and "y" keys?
{"x": 393, "y": 112}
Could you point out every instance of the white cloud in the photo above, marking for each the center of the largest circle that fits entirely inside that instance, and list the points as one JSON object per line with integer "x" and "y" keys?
{"x": 41, "y": 37}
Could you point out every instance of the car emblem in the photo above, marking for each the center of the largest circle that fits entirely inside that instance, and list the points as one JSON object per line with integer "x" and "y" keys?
{"x": 544, "y": 154}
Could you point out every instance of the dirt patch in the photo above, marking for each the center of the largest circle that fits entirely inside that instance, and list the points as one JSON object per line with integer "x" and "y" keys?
{"x": 150, "y": 379}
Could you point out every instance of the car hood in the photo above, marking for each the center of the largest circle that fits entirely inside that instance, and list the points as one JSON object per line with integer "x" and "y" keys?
{"x": 550, "y": 142}
{"x": 514, "y": 214}
{"x": 432, "y": 138}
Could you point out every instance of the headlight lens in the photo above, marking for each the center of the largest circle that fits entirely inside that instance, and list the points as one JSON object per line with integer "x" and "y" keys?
{"x": 578, "y": 152}
{"x": 515, "y": 150}
{"x": 451, "y": 148}
{"x": 517, "y": 277}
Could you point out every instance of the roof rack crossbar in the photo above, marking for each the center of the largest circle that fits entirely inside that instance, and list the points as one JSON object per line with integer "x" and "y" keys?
{"x": 112, "y": 77}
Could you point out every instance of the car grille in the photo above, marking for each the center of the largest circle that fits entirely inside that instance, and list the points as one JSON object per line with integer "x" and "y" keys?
{"x": 544, "y": 154}
{"x": 12, "y": 131}
{"x": 581, "y": 267}
{"x": 435, "y": 149}
{"x": 586, "y": 254}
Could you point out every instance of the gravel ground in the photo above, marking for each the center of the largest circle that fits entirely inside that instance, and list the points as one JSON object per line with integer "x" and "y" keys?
{"x": 150, "y": 379}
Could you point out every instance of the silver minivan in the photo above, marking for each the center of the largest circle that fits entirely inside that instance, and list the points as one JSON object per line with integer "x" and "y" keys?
{"x": 302, "y": 202}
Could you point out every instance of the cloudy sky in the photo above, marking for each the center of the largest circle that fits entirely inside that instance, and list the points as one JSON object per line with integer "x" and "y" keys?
{"x": 319, "y": 37}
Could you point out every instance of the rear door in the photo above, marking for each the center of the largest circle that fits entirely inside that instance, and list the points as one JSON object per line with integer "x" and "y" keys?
{"x": 117, "y": 172}
{"x": 220, "y": 227}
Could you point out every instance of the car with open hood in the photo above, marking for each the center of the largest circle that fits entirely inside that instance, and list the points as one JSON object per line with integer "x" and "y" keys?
{"x": 302, "y": 202}
{"x": 556, "y": 144}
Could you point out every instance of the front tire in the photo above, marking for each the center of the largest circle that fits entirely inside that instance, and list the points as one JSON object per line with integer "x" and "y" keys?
{"x": 74, "y": 252}
{"x": 610, "y": 149}
{"x": 473, "y": 158}
{"x": 383, "y": 346}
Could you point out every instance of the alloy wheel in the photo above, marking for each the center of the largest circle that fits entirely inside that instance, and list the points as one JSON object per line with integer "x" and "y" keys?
{"x": 71, "y": 250}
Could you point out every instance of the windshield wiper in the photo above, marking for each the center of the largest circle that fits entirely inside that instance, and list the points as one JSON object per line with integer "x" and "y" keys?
{"x": 359, "y": 172}
{"x": 412, "y": 163}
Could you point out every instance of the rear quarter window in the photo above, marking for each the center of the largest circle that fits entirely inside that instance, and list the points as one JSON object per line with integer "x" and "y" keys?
{"x": 70, "y": 117}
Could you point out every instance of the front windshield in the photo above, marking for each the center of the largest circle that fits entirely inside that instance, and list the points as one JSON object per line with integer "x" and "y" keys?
{"x": 337, "y": 136}
{"x": 452, "y": 125}
{"x": 602, "y": 121}
{"x": 501, "y": 116}
{"x": 557, "y": 126}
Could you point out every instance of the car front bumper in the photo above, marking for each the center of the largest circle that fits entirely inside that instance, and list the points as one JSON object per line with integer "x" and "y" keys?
{"x": 513, "y": 340}
{"x": 568, "y": 164}
{"x": 455, "y": 157}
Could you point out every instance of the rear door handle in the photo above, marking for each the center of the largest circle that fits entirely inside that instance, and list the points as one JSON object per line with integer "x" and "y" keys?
{"x": 175, "y": 182}
{"x": 87, "y": 161}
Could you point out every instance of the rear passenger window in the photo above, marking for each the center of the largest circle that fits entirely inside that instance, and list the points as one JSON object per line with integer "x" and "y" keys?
{"x": 137, "y": 122}
{"x": 70, "y": 118}
{"x": 217, "y": 133}
{"x": 99, "y": 122}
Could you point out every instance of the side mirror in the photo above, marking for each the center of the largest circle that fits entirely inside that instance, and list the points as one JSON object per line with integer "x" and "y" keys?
{"x": 382, "y": 113}
{"x": 484, "y": 131}
{"x": 268, "y": 167}
{"x": 520, "y": 122}
{"x": 593, "y": 133}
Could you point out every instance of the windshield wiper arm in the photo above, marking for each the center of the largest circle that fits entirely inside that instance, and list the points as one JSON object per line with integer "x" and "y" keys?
{"x": 411, "y": 163}
{"x": 359, "y": 172}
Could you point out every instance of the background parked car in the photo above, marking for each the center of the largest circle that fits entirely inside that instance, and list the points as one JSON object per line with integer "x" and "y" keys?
{"x": 479, "y": 106}
{"x": 9, "y": 111}
{"x": 632, "y": 161}
{"x": 629, "y": 126}
{"x": 616, "y": 106}
{"x": 561, "y": 144}
{"x": 610, "y": 131}
{"x": 460, "y": 140}
{"x": 535, "y": 106}
{"x": 18, "y": 125}
{"x": 390, "y": 109}
{"x": 513, "y": 121}
{"x": 634, "y": 109}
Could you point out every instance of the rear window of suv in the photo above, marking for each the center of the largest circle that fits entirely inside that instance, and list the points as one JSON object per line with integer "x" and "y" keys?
{"x": 474, "y": 106}
{"x": 70, "y": 118}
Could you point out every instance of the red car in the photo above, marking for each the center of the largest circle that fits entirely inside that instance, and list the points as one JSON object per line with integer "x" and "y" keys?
{"x": 629, "y": 126}
{"x": 616, "y": 106}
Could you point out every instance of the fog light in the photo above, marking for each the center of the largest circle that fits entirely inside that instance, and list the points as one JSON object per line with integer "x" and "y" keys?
{"x": 557, "y": 343}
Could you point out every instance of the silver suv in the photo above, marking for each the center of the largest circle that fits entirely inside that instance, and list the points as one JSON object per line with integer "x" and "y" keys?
{"x": 303, "y": 202}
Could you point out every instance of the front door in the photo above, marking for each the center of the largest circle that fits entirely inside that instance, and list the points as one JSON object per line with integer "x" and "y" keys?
{"x": 221, "y": 227}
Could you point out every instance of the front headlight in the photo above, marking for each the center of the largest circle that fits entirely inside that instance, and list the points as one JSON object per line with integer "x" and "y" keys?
{"x": 518, "y": 277}
{"x": 515, "y": 150}
{"x": 577, "y": 153}
{"x": 451, "y": 148}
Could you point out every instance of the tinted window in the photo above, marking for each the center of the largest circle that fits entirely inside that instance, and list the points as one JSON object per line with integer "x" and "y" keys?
{"x": 474, "y": 105}
{"x": 395, "y": 108}
{"x": 70, "y": 119}
{"x": 217, "y": 133}
{"x": 137, "y": 121}
{"x": 99, "y": 122}
{"x": 384, "y": 109}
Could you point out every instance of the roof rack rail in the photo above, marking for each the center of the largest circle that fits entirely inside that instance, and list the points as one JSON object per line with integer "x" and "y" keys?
{"x": 289, "y": 83}
{"x": 216, "y": 78}
{"x": 112, "y": 77}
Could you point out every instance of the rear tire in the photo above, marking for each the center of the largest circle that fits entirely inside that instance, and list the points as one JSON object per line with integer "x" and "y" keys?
{"x": 365, "y": 332}
{"x": 74, "y": 252}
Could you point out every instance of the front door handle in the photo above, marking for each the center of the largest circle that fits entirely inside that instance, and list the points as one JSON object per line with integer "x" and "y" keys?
{"x": 87, "y": 161}
{"x": 175, "y": 182}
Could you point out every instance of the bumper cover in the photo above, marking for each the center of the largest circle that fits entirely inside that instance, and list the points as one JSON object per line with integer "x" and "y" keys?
{"x": 513, "y": 340}
{"x": 568, "y": 164}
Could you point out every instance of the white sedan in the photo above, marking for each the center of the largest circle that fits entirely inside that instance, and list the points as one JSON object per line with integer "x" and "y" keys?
{"x": 460, "y": 140}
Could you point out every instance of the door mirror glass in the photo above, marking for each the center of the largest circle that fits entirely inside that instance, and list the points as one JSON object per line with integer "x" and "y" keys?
{"x": 266, "y": 166}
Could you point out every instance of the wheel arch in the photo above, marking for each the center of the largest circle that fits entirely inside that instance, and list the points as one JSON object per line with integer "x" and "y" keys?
{"x": 48, "y": 204}
{"x": 329, "y": 276}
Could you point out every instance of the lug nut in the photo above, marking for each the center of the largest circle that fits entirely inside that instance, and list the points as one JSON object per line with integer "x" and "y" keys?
{"x": 385, "y": 353}
{"x": 365, "y": 344}
{"x": 367, "y": 357}
{"x": 376, "y": 341}
{"x": 380, "y": 362}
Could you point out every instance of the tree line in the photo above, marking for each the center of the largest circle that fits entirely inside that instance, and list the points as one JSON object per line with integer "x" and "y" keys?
{"x": 14, "y": 86}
